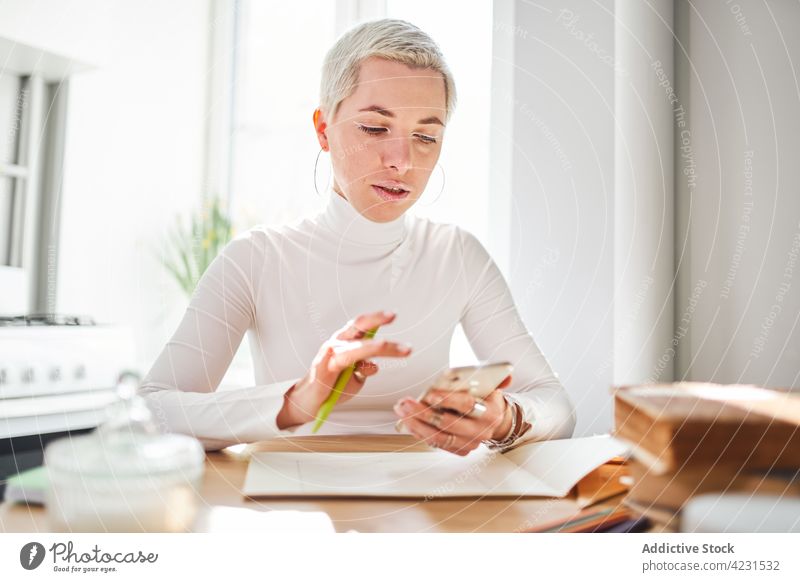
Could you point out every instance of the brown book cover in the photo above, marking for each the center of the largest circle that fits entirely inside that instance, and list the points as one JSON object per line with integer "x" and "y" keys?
{"x": 673, "y": 490}
{"x": 672, "y": 427}
{"x": 601, "y": 484}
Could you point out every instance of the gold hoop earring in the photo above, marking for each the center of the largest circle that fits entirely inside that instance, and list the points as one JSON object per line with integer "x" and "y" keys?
{"x": 439, "y": 195}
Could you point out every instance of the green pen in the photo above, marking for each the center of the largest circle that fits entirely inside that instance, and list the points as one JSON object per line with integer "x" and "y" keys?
{"x": 338, "y": 387}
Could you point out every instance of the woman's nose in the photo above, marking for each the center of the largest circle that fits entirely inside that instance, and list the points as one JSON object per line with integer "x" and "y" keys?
{"x": 397, "y": 154}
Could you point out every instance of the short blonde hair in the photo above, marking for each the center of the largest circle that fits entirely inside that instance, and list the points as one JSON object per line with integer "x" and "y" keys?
{"x": 390, "y": 39}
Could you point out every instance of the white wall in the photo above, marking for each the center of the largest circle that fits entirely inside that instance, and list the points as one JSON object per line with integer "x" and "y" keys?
{"x": 561, "y": 265}
{"x": 644, "y": 193}
{"x": 134, "y": 150}
{"x": 741, "y": 240}
{"x": 736, "y": 304}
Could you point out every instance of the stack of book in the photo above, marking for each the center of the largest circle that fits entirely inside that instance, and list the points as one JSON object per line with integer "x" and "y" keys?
{"x": 690, "y": 438}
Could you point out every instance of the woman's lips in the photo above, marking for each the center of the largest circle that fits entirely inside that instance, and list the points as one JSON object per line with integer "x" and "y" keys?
{"x": 390, "y": 196}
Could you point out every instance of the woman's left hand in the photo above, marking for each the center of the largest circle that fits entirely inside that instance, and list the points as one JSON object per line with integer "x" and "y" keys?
{"x": 453, "y": 432}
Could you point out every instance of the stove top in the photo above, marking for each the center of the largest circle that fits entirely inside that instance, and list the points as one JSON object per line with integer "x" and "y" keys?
{"x": 45, "y": 319}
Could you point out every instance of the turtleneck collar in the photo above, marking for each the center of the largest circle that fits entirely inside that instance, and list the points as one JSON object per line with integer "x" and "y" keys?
{"x": 347, "y": 222}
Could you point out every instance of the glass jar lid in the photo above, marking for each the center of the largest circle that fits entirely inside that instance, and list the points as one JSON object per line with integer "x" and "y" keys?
{"x": 127, "y": 444}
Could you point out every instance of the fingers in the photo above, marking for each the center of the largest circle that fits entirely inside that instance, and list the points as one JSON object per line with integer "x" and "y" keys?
{"x": 426, "y": 422}
{"x": 367, "y": 368}
{"x": 347, "y": 354}
{"x": 452, "y": 408}
{"x": 506, "y": 382}
{"x": 356, "y": 328}
{"x": 447, "y": 438}
{"x": 327, "y": 378}
{"x": 459, "y": 400}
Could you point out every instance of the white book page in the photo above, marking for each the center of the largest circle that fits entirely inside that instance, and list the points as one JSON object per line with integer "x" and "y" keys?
{"x": 430, "y": 474}
{"x": 560, "y": 464}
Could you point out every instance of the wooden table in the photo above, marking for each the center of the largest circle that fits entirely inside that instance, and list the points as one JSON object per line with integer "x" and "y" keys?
{"x": 224, "y": 508}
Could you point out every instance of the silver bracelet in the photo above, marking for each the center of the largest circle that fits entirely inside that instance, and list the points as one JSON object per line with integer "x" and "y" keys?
{"x": 510, "y": 437}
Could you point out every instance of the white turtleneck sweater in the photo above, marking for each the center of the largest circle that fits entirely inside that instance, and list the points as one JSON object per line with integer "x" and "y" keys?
{"x": 291, "y": 287}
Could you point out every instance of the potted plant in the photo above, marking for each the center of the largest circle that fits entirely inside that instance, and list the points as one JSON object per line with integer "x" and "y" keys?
{"x": 192, "y": 248}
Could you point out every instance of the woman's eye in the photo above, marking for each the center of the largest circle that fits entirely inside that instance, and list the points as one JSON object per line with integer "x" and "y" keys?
{"x": 371, "y": 130}
{"x": 426, "y": 138}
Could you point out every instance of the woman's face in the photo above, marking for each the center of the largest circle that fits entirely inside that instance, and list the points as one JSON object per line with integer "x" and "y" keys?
{"x": 387, "y": 134}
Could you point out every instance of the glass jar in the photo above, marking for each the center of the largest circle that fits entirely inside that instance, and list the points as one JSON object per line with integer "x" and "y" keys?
{"x": 124, "y": 476}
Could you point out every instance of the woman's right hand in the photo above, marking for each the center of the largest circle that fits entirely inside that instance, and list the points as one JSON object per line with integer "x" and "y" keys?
{"x": 302, "y": 401}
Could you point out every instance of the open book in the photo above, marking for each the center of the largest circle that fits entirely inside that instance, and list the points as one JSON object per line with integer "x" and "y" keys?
{"x": 547, "y": 468}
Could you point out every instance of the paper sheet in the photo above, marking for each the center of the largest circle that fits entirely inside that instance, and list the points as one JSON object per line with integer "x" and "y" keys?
{"x": 562, "y": 463}
{"x": 551, "y": 468}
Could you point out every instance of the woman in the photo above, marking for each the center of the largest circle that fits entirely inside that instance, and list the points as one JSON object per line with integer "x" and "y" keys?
{"x": 386, "y": 97}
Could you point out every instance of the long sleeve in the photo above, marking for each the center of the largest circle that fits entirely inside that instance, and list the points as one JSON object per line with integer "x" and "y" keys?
{"x": 181, "y": 387}
{"x": 496, "y": 332}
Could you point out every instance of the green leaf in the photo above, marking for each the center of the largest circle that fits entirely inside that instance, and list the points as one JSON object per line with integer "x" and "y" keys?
{"x": 192, "y": 248}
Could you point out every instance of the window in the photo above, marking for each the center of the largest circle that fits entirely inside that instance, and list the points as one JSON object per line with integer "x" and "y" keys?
{"x": 18, "y": 122}
{"x": 278, "y": 64}
{"x": 12, "y": 101}
{"x": 33, "y": 102}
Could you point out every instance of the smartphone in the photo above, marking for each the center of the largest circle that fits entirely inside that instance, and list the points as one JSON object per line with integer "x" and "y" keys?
{"x": 478, "y": 380}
